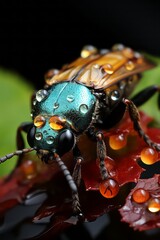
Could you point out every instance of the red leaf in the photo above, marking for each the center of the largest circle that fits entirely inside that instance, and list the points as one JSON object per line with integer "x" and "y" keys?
{"x": 138, "y": 215}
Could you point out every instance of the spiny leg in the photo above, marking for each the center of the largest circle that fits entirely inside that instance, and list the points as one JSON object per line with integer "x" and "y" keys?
{"x": 134, "y": 115}
{"x": 77, "y": 168}
{"x": 101, "y": 154}
{"x": 75, "y": 203}
{"x": 101, "y": 150}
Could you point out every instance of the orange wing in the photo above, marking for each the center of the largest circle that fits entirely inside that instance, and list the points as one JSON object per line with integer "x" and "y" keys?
{"x": 101, "y": 71}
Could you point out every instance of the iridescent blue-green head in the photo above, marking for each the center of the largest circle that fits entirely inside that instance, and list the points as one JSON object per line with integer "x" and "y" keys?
{"x": 60, "y": 113}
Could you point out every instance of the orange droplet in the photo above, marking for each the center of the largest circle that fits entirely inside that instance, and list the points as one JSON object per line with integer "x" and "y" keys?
{"x": 50, "y": 74}
{"x": 109, "y": 188}
{"x": 88, "y": 50}
{"x": 140, "y": 195}
{"x": 108, "y": 68}
{"x": 56, "y": 122}
{"x": 154, "y": 205}
{"x": 128, "y": 52}
{"x": 149, "y": 156}
{"x": 39, "y": 121}
{"x": 118, "y": 141}
{"x": 130, "y": 65}
{"x": 29, "y": 168}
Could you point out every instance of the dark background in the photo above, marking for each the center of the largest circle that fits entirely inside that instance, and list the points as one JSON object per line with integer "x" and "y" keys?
{"x": 38, "y": 35}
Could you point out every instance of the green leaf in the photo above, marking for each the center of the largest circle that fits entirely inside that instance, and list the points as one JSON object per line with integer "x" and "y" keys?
{"x": 149, "y": 78}
{"x": 15, "y": 94}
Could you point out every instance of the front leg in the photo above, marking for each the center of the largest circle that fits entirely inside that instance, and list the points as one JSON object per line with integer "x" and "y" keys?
{"x": 24, "y": 127}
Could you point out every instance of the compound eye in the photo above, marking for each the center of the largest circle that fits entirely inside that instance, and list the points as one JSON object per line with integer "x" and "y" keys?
{"x": 57, "y": 123}
{"x": 39, "y": 121}
{"x": 66, "y": 141}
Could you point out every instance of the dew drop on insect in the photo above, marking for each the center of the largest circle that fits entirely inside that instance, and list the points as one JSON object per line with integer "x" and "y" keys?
{"x": 139, "y": 57}
{"x": 50, "y": 74}
{"x": 115, "y": 95}
{"x": 108, "y": 68}
{"x": 56, "y": 105}
{"x": 109, "y": 188}
{"x": 128, "y": 52}
{"x": 140, "y": 195}
{"x": 117, "y": 141}
{"x": 154, "y": 205}
{"x": 70, "y": 98}
{"x": 50, "y": 140}
{"x": 83, "y": 108}
{"x": 88, "y": 50}
{"x": 34, "y": 102}
{"x": 130, "y": 65}
{"x": 38, "y": 136}
{"x": 57, "y": 123}
{"x": 39, "y": 121}
{"x": 117, "y": 47}
{"x": 149, "y": 156}
{"x": 104, "y": 51}
{"x": 29, "y": 169}
{"x": 41, "y": 95}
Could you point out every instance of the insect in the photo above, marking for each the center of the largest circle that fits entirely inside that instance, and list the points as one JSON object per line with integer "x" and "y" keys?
{"x": 85, "y": 97}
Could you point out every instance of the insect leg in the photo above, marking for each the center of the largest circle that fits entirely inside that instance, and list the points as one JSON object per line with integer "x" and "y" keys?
{"x": 75, "y": 198}
{"x": 144, "y": 95}
{"x": 134, "y": 115}
{"x": 24, "y": 127}
{"x": 101, "y": 154}
{"x": 101, "y": 151}
{"x": 77, "y": 168}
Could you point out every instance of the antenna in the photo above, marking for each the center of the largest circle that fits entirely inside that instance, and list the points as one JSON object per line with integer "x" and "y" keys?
{"x": 16, "y": 153}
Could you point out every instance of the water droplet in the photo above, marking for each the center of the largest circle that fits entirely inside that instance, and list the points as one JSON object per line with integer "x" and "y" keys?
{"x": 115, "y": 95}
{"x": 83, "y": 108}
{"x": 38, "y": 136}
{"x": 128, "y": 52}
{"x": 149, "y": 156}
{"x": 39, "y": 121}
{"x": 130, "y": 65}
{"x": 41, "y": 95}
{"x": 50, "y": 74}
{"x": 57, "y": 122}
{"x": 154, "y": 205}
{"x": 140, "y": 195}
{"x": 34, "y": 102}
{"x": 88, "y": 50}
{"x": 109, "y": 188}
{"x": 50, "y": 140}
{"x": 55, "y": 105}
{"x": 117, "y": 47}
{"x": 108, "y": 68}
{"x": 117, "y": 141}
{"x": 70, "y": 98}
{"x": 104, "y": 51}
{"x": 139, "y": 57}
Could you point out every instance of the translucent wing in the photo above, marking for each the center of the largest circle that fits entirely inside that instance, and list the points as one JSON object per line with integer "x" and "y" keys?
{"x": 101, "y": 71}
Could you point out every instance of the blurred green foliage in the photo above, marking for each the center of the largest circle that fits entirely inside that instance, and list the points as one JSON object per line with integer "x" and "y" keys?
{"x": 15, "y": 95}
